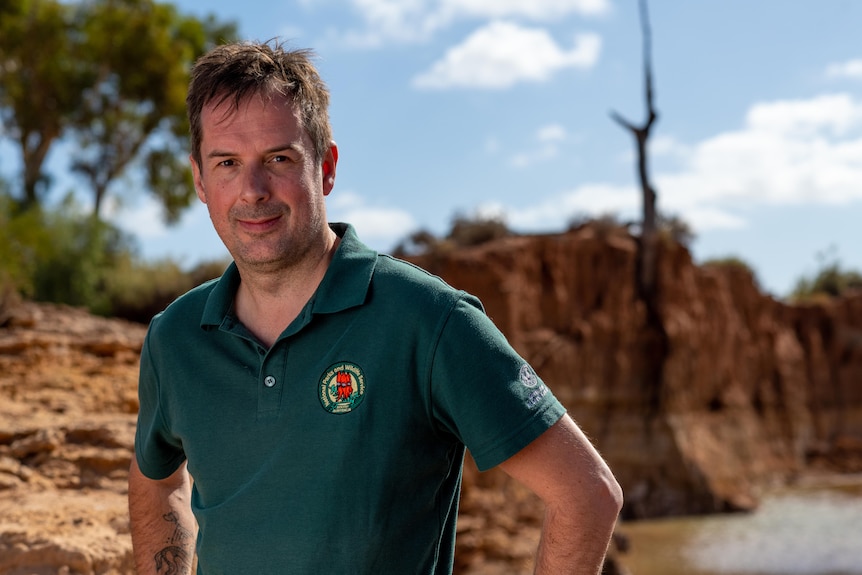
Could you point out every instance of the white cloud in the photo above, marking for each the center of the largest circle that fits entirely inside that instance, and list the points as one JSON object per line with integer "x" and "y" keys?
{"x": 501, "y": 54}
{"x": 396, "y": 20}
{"x": 551, "y": 133}
{"x": 380, "y": 227}
{"x": 540, "y": 10}
{"x": 827, "y": 114}
{"x": 664, "y": 146}
{"x": 555, "y": 212}
{"x": 417, "y": 20}
{"x": 806, "y": 151}
{"x": 548, "y": 139}
{"x": 789, "y": 152}
{"x": 704, "y": 218}
{"x": 848, "y": 69}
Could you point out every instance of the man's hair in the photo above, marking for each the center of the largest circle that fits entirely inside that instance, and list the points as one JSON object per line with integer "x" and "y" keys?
{"x": 235, "y": 71}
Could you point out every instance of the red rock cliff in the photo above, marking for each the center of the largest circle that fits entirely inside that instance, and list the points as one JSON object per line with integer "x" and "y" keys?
{"x": 742, "y": 390}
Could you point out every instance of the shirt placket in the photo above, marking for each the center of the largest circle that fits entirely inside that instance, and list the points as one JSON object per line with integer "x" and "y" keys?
{"x": 272, "y": 379}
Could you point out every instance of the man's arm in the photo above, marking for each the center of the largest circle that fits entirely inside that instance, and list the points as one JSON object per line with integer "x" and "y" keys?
{"x": 582, "y": 498}
{"x": 163, "y": 527}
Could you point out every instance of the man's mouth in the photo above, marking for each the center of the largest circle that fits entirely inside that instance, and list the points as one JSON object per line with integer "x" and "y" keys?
{"x": 260, "y": 224}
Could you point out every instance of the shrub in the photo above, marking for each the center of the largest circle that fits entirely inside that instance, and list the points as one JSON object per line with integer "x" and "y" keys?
{"x": 465, "y": 231}
{"x": 63, "y": 255}
{"x": 476, "y": 230}
{"x": 75, "y": 268}
{"x": 23, "y": 238}
{"x": 831, "y": 281}
{"x": 139, "y": 290}
{"x": 733, "y": 262}
{"x": 675, "y": 228}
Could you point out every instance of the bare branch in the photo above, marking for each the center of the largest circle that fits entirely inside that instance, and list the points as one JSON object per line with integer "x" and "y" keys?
{"x": 647, "y": 253}
{"x": 646, "y": 32}
{"x": 623, "y": 122}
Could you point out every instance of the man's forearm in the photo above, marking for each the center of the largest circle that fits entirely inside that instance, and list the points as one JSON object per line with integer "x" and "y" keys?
{"x": 569, "y": 547}
{"x": 162, "y": 525}
{"x": 582, "y": 499}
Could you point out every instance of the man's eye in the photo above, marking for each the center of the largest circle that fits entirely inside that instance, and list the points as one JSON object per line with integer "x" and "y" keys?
{"x": 226, "y": 163}
{"x": 279, "y": 159}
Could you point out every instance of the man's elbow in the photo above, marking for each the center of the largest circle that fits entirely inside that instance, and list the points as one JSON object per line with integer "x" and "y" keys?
{"x": 608, "y": 496}
{"x": 600, "y": 498}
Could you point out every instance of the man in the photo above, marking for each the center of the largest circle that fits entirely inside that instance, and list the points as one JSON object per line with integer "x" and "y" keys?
{"x": 321, "y": 395}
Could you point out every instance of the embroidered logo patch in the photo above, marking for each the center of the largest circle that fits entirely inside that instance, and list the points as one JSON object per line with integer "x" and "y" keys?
{"x": 342, "y": 387}
{"x": 530, "y": 380}
{"x": 528, "y": 377}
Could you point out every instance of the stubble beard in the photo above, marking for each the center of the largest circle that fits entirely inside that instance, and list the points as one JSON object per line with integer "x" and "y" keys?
{"x": 285, "y": 247}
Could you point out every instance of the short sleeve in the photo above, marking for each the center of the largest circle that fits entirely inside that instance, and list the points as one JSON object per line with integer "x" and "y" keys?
{"x": 157, "y": 451}
{"x": 484, "y": 392}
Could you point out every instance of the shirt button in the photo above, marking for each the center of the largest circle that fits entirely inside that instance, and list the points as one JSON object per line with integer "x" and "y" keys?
{"x": 269, "y": 381}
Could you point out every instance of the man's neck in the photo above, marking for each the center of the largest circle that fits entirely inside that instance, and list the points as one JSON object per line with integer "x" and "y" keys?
{"x": 267, "y": 301}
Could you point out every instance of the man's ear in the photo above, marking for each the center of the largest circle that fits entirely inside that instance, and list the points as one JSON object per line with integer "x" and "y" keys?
{"x": 198, "y": 180}
{"x": 330, "y": 161}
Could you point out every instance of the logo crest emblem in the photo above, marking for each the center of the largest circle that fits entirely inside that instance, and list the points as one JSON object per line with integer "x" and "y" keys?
{"x": 342, "y": 387}
{"x": 528, "y": 377}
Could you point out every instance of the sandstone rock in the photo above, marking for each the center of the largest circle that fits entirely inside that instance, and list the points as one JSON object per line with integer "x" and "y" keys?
{"x": 741, "y": 391}
{"x": 67, "y": 405}
{"x": 65, "y": 531}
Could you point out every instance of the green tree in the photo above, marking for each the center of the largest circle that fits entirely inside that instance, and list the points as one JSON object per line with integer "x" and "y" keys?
{"x": 111, "y": 75}
{"x": 135, "y": 110}
{"x": 41, "y": 80}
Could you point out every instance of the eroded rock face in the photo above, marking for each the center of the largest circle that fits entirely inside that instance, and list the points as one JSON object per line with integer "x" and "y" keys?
{"x": 742, "y": 390}
{"x": 67, "y": 416}
{"x": 745, "y": 390}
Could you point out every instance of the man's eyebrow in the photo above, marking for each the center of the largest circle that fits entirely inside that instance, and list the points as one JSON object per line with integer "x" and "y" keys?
{"x": 219, "y": 154}
{"x": 293, "y": 146}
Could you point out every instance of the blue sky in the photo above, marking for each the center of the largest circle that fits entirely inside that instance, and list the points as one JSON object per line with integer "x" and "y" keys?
{"x": 503, "y": 106}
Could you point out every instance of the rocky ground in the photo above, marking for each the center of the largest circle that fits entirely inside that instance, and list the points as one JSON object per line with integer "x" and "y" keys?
{"x": 67, "y": 405}
{"x": 67, "y": 414}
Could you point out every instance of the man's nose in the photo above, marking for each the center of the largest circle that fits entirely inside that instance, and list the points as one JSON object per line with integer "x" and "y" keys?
{"x": 255, "y": 185}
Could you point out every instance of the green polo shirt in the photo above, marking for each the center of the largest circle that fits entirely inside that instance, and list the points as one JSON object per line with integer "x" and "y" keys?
{"x": 339, "y": 449}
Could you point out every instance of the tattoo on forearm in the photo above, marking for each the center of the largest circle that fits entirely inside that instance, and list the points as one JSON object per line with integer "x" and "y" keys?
{"x": 180, "y": 533}
{"x": 174, "y": 559}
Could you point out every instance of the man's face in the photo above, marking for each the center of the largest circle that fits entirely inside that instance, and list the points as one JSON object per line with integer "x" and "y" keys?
{"x": 261, "y": 182}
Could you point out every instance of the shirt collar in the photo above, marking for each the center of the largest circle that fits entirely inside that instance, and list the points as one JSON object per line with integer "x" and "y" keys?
{"x": 344, "y": 285}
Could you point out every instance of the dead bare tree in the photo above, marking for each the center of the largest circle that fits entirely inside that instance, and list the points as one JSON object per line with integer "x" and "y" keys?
{"x": 655, "y": 345}
{"x": 647, "y": 255}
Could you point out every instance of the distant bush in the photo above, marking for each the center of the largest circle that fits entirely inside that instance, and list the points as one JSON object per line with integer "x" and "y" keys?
{"x": 729, "y": 261}
{"x": 675, "y": 228}
{"x": 138, "y": 290}
{"x": 608, "y": 222}
{"x": 830, "y": 281}
{"x": 21, "y": 239}
{"x": 465, "y": 231}
{"x": 63, "y": 255}
{"x": 733, "y": 262}
{"x": 418, "y": 242}
{"x": 476, "y": 230}
{"x": 74, "y": 265}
